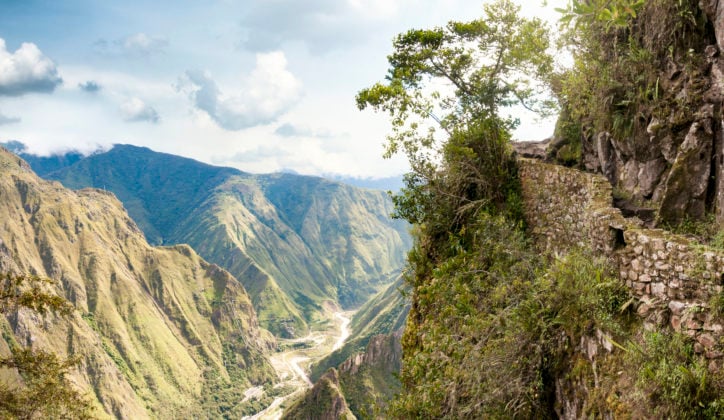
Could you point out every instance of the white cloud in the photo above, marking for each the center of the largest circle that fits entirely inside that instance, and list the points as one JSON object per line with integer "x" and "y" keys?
{"x": 8, "y": 120}
{"x": 293, "y": 130}
{"x": 267, "y": 92}
{"x": 135, "y": 110}
{"x": 136, "y": 45}
{"x": 89, "y": 86}
{"x": 322, "y": 25}
{"x": 26, "y": 70}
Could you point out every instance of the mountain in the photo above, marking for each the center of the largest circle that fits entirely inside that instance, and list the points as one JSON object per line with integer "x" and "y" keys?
{"x": 43, "y": 165}
{"x": 384, "y": 314}
{"x": 391, "y": 183}
{"x": 324, "y": 401}
{"x": 159, "y": 332}
{"x": 295, "y": 242}
{"x": 366, "y": 367}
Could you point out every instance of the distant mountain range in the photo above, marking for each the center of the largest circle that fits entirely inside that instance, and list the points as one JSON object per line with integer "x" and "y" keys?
{"x": 295, "y": 242}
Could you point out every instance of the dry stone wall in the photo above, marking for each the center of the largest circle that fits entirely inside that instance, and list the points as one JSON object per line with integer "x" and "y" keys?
{"x": 677, "y": 281}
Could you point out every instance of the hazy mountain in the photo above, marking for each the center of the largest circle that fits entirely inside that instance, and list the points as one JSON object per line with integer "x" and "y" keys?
{"x": 159, "y": 331}
{"x": 391, "y": 183}
{"x": 293, "y": 241}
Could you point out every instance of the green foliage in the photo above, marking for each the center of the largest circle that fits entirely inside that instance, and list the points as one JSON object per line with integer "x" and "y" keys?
{"x": 492, "y": 327}
{"x": 484, "y": 65}
{"x": 621, "y": 78}
{"x": 611, "y": 12}
{"x": 30, "y": 292}
{"x": 43, "y": 390}
{"x": 674, "y": 381}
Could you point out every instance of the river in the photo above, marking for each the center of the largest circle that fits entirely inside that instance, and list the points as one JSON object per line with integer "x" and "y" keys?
{"x": 291, "y": 365}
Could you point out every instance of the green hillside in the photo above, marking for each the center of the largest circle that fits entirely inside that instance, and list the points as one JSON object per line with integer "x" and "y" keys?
{"x": 384, "y": 314}
{"x": 157, "y": 331}
{"x": 294, "y": 241}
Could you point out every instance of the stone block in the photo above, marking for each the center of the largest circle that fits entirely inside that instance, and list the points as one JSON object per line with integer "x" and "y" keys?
{"x": 675, "y": 322}
{"x": 659, "y": 290}
{"x": 645, "y": 278}
{"x": 661, "y": 265}
{"x": 640, "y": 287}
{"x": 636, "y": 265}
{"x": 676, "y": 307}
{"x": 693, "y": 324}
{"x": 706, "y": 340}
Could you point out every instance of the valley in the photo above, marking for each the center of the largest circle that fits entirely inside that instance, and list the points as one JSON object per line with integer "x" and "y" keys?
{"x": 233, "y": 324}
{"x": 292, "y": 364}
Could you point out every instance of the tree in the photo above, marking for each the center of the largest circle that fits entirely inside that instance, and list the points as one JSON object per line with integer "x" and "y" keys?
{"x": 43, "y": 391}
{"x": 444, "y": 91}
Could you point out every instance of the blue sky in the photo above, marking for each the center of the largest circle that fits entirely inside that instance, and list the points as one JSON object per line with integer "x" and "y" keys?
{"x": 261, "y": 85}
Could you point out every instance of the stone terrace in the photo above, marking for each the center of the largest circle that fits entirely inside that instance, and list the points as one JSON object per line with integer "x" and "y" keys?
{"x": 677, "y": 281}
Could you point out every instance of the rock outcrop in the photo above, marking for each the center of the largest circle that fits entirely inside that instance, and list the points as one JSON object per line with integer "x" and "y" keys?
{"x": 324, "y": 401}
{"x": 672, "y": 155}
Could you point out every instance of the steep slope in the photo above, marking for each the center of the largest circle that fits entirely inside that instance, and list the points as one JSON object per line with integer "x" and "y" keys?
{"x": 158, "y": 330}
{"x": 294, "y": 241}
{"x": 368, "y": 364}
{"x": 384, "y": 314}
{"x": 349, "y": 230}
{"x": 323, "y": 402}
{"x": 157, "y": 189}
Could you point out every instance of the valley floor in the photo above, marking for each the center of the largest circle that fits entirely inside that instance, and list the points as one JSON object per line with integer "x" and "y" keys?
{"x": 297, "y": 355}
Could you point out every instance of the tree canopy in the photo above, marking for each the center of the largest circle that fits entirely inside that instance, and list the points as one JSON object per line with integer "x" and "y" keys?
{"x": 445, "y": 91}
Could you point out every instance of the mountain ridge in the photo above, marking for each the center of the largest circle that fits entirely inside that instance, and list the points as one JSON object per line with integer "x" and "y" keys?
{"x": 294, "y": 241}
{"x": 156, "y": 329}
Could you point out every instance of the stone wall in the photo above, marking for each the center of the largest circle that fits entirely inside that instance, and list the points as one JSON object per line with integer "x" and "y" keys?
{"x": 677, "y": 281}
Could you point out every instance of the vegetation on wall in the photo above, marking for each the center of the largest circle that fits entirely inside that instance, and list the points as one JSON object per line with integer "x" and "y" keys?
{"x": 622, "y": 50}
{"x": 495, "y": 330}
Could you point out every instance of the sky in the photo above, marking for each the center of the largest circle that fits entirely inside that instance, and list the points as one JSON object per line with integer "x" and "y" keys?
{"x": 260, "y": 85}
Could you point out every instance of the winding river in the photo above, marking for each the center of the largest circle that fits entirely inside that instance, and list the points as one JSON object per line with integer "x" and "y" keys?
{"x": 291, "y": 364}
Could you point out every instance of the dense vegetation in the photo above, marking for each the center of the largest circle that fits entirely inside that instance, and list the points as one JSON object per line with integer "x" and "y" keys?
{"x": 495, "y": 329}
{"x": 35, "y": 384}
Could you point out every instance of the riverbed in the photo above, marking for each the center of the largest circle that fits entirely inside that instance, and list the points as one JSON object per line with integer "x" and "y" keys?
{"x": 292, "y": 365}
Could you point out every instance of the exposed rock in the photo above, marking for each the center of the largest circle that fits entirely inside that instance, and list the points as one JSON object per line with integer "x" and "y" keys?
{"x": 532, "y": 149}
{"x": 324, "y": 401}
{"x": 687, "y": 183}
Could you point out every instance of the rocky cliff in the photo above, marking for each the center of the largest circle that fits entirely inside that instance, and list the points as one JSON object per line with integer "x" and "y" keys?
{"x": 324, "y": 401}
{"x": 647, "y": 98}
{"x": 157, "y": 329}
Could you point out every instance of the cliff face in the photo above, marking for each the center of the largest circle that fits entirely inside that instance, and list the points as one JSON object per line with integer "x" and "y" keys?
{"x": 658, "y": 137}
{"x": 155, "y": 328}
{"x": 363, "y": 384}
{"x": 324, "y": 401}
